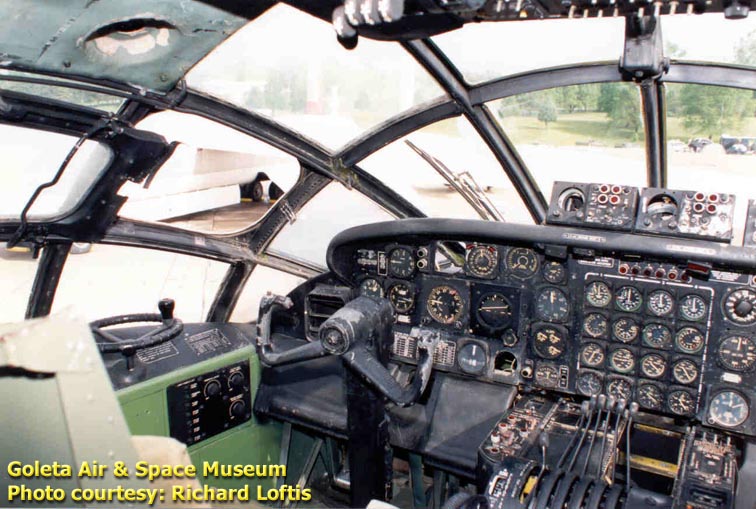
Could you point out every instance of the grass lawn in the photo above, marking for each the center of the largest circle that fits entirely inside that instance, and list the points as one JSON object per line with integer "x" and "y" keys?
{"x": 582, "y": 127}
{"x": 568, "y": 129}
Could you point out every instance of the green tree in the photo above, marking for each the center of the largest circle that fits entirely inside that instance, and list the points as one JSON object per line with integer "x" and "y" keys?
{"x": 567, "y": 98}
{"x": 587, "y": 96}
{"x": 711, "y": 110}
{"x": 547, "y": 111}
{"x": 621, "y": 104}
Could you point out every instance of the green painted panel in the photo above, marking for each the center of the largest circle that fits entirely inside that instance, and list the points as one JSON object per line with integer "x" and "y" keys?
{"x": 145, "y": 408}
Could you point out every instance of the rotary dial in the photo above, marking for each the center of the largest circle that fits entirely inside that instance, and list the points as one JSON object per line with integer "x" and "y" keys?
{"x": 740, "y": 306}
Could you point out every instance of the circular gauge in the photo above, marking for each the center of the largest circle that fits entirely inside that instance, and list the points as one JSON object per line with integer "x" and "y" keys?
{"x": 445, "y": 304}
{"x": 657, "y": 335}
{"x": 595, "y": 325}
{"x": 663, "y": 207}
{"x": 401, "y": 297}
{"x": 622, "y": 360}
{"x": 693, "y": 308}
{"x": 494, "y": 311}
{"x": 591, "y": 355}
{"x": 728, "y": 409}
{"x": 547, "y": 376}
{"x": 685, "y": 371}
{"x": 371, "y": 288}
{"x": 650, "y": 396}
{"x": 653, "y": 365}
{"x": 660, "y": 303}
{"x": 522, "y": 262}
{"x": 740, "y": 306}
{"x": 620, "y": 389}
{"x": 628, "y": 299}
{"x": 589, "y": 384}
{"x": 482, "y": 261}
{"x": 689, "y": 340}
{"x": 625, "y": 330}
{"x": 681, "y": 402}
{"x": 554, "y": 273}
{"x": 552, "y": 305}
{"x": 472, "y": 359}
{"x": 737, "y": 353}
{"x": 598, "y": 294}
{"x": 549, "y": 342}
{"x": 401, "y": 262}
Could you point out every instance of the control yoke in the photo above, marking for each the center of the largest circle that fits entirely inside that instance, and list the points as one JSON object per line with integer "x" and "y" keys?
{"x": 360, "y": 334}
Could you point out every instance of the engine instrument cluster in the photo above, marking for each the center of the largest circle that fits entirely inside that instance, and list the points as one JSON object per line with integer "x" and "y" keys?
{"x": 644, "y": 331}
{"x": 673, "y": 332}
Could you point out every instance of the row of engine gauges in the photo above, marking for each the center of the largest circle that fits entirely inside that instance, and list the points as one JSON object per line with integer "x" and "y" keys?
{"x": 660, "y": 302}
{"x": 477, "y": 260}
{"x": 679, "y": 401}
{"x": 727, "y": 408}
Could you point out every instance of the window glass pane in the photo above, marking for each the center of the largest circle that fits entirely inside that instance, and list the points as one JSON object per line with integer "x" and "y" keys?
{"x": 218, "y": 180}
{"x": 711, "y": 133}
{"x": 289, "y": 66}
{"x": 710, "y": 37}
{"x": 95, "y": 100}
{"x": 261, "y": 281}
{"x": 334, "y": 209}
{"x": 581, "y": 133}
{"x": 17, "y": 271}
{"x": 26, "y": 167}
{"x": 456, "y": 143}
{"x": 117, "y": 280}
{"x": 501, "y": 49}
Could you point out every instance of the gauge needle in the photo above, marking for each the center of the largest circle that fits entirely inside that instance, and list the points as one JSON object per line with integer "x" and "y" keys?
{"x": 491, "y": 308}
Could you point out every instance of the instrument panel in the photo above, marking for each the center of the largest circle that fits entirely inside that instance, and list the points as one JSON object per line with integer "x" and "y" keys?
{"x": 679, "y": 342}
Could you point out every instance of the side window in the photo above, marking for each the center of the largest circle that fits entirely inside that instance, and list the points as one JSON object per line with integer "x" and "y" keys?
{"x": 115, "y": 280}
{"x": 218, "y": 180}
{"x": 17, "y": 271}
{"x": 261, "y": 281}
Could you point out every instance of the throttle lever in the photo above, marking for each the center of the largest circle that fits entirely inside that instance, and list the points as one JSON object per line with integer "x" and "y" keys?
{"x": 268, "y": 305}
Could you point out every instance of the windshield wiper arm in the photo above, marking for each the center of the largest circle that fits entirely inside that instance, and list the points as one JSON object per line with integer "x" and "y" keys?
{"x": 23, "y": 226}
{"x": 464, "y": 183}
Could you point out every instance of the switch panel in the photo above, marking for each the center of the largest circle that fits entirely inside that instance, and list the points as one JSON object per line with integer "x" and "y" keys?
{"x": 208, "y": 404}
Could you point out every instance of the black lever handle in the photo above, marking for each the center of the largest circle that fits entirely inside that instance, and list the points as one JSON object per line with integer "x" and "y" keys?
{"x": 265, "y": 351}
{"x": 166, "y": 307}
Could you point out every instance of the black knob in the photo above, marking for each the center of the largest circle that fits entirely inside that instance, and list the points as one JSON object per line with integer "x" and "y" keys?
{"x": 238, "y": 408}
{"x": 743, "y": 308}
{"x": 212, "y": 388}
{"x": 236, "y": 380}
{"x": 166, "y": 307}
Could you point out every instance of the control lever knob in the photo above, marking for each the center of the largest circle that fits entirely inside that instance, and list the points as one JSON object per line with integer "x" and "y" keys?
{"x": 166, "y": 307}
{"x": 238, "y": 408}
